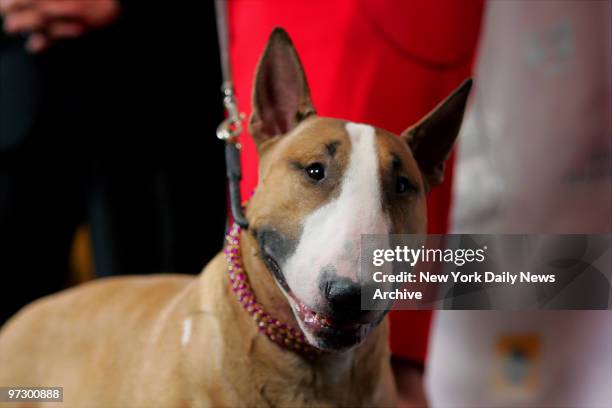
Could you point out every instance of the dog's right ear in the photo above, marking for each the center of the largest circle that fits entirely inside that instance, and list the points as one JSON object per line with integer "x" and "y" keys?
{"x": 281, "y": 98}
{"x": 432, "y": 138}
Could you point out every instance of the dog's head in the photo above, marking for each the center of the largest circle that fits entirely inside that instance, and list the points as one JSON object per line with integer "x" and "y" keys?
{"x": 324, "y": 182}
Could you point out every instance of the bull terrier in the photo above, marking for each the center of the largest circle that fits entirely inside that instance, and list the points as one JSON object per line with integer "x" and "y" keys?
{"x": 275, "y": 320}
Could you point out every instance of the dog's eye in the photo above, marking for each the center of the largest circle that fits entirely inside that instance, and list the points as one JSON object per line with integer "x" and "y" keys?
{"x": 316, "y": 171}
{"x": 403, "y": 185}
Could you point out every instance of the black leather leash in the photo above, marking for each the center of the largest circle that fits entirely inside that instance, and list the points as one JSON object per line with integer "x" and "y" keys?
{"x": 230, "y": 129}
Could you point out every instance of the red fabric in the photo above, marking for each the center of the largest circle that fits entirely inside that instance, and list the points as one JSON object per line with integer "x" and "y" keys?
{"x": 385, "y": 63}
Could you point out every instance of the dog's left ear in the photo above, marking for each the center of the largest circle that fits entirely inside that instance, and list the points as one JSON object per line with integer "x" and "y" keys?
{"x": 432, "y": 138}
{"x": 281, "y": 98}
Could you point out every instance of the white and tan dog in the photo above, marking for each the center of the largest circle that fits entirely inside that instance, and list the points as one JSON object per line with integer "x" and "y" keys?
{"x": 177, "y": 341}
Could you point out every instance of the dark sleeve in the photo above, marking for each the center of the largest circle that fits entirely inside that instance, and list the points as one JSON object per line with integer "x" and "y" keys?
{"x": 18, "y": 90}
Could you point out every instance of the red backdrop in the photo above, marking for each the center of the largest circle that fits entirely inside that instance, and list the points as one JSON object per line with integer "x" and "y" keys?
{"x": 385, "y": 63}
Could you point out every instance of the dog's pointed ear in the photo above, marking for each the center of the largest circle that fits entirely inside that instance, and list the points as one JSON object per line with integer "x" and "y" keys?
{"x": 432, "y": 138}
{"x": 281, "y": 98}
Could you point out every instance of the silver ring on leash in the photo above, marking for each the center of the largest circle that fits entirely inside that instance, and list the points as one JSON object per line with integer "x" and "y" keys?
{"x": 231, "y": 127}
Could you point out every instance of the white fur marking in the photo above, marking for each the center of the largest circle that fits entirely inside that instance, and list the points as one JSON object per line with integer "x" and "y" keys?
{"x": 186, "y": 331}
{"x": 332, "y": 234}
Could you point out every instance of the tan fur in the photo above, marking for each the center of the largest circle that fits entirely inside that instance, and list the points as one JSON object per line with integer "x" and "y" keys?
{"x": 117, "y": 343}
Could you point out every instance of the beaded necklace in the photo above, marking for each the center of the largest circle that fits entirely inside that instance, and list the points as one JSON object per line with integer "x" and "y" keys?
{"x": 280, "y": 333}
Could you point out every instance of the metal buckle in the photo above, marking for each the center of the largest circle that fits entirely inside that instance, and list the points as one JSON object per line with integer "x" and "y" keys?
{"x": 231, "y": 127}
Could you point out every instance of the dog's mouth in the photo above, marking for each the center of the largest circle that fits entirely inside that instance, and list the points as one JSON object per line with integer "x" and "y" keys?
{"x": 316, "y": 320}
{"x": 325, "y": 333}
{"x": 321, "y": 330}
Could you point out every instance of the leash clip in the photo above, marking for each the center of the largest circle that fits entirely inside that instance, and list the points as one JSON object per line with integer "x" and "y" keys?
{"x": 228, "y": 131}
{"x": 231, "y": 127}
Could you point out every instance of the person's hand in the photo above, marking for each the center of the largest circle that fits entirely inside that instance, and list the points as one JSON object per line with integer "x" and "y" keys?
{"x": 47, "y": 21}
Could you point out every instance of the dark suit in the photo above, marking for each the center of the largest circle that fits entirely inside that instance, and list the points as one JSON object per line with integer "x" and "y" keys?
{"x": 116, "y": 129}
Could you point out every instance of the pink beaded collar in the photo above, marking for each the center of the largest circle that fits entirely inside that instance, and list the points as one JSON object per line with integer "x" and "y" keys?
{"x": 285, "y": 336}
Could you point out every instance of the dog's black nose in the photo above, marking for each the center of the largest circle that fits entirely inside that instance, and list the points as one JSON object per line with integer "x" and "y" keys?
{"x": 344, "y": 298}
